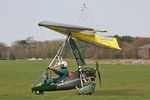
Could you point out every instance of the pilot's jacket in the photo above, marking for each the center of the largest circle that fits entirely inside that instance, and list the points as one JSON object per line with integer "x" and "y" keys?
{"x": 62, "y": 75}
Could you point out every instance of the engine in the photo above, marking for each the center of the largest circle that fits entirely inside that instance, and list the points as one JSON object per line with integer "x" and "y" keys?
{"x": 88, "y": 74}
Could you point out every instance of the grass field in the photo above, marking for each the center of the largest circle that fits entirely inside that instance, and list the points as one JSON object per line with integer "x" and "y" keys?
{"x": 119, "y": 82}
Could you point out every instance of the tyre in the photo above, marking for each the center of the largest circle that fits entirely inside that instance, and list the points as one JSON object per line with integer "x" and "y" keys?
{"x": 39, "y": 92}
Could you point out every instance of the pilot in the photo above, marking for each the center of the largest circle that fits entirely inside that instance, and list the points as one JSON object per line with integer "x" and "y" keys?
{"x": 62, "y": 74}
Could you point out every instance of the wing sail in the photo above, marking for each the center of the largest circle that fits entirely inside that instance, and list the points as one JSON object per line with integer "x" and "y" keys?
{"x": 82, "y": 33}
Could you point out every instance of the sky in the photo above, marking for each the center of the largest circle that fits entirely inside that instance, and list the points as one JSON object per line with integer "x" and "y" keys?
{"x": 19, "y": 18}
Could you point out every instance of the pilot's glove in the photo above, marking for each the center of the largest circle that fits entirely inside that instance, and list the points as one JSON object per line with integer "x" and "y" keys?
{"x": 51, "y": 68}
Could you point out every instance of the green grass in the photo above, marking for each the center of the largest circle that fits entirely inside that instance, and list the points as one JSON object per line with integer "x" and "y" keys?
{"x": 119, "y": 82}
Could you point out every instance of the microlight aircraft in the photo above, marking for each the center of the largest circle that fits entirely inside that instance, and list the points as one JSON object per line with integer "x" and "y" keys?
{"x": 82, "y": 79}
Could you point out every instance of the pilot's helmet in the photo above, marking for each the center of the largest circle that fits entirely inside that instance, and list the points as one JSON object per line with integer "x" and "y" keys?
{"x": 64, "y": 64}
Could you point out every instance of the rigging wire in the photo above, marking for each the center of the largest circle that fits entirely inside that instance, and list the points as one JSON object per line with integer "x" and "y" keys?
{"x": 93, "y": 20}
{"x": 86, "y": 17}
{"x": 81, "y": 12}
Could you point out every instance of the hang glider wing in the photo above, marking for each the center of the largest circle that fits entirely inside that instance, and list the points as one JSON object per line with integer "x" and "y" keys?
{"x": 82, "y": 33}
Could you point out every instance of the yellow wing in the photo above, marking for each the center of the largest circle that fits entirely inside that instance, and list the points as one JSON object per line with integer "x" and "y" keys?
{"x": 82, "y": 33}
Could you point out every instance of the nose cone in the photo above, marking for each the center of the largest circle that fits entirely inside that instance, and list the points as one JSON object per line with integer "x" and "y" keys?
{"x": 43, "y": 87}
{"x": 39, "y": 83}
{"x": 38, "y": 87}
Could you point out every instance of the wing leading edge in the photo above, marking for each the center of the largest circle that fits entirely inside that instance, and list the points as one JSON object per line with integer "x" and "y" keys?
{"x": 82, "y": 33}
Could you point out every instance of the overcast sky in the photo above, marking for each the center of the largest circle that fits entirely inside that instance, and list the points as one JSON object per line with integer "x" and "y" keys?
{"x": 19, "y": 18}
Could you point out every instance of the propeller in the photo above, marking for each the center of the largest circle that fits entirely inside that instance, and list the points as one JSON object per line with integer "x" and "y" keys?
{"x": 97, "y": 68}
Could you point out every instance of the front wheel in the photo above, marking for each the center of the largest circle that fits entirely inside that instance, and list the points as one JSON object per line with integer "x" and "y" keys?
{"x": 39, "y": 92}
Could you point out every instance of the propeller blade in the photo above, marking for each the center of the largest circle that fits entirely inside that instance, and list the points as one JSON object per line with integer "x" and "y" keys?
{"x": 97, "y": 68}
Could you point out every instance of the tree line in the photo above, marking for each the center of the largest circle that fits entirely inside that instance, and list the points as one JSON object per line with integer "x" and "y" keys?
{"x": 29, "y": 48}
